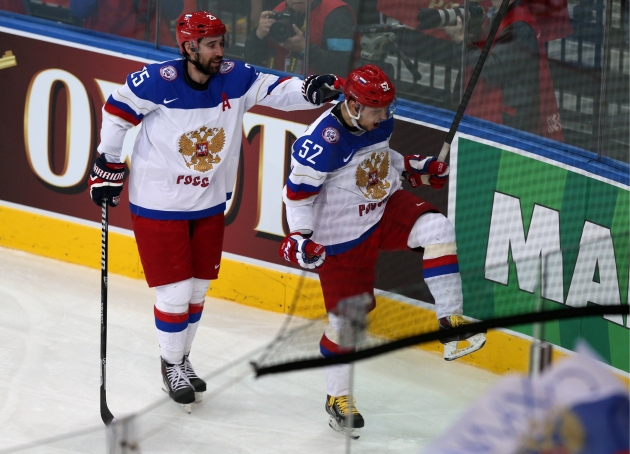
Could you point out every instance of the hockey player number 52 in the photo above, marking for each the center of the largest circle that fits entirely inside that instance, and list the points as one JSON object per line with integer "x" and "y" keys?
{"x": 305, "y": 149}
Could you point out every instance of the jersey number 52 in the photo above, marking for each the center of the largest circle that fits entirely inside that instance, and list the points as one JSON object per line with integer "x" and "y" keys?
{"x": 305, "y": 150}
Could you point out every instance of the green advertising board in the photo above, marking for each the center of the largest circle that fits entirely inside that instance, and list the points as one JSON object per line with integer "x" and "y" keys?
{"x": 519, "y": 216}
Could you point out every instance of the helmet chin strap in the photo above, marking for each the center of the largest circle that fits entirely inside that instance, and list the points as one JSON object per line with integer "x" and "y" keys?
{"x": 194, "y": 46}
{"x": 353, "y": 118}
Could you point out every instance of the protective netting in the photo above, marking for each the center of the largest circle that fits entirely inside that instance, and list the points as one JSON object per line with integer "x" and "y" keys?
{"x": 558, "y": 70}
{"x": 590, "y": 309}
{"x": 542, "y": 234}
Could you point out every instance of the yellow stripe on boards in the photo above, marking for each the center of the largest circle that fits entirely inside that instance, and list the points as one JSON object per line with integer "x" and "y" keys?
{"x": 251, "y": 285}
{"x": 71, "y": 242}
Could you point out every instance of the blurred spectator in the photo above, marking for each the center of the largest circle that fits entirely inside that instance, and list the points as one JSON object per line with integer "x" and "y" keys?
{"x": 13, "y": 6}
{"x": 625, "y": 22}
{"x": 515, "y": 86}
{"x": 257, "y": 7}
{"x": 406, "y": 11}
{"x": 552, "y": 17}
{"x": 279, "y": 42}
{"x": 129, "y": 18}
{"x": 574, "y": 407}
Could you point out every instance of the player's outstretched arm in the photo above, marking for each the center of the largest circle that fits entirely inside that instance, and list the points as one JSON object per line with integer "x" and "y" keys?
{"x": 291, "y": 93}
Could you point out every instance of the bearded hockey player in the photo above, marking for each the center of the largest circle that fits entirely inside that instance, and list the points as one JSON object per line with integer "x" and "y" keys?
{"x": 183, "y": 169}
{"x": 344, "y": 202}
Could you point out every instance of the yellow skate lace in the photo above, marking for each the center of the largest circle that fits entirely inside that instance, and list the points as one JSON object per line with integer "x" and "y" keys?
{"x": 458, "y": 320}
{"x": 342, "y": 403}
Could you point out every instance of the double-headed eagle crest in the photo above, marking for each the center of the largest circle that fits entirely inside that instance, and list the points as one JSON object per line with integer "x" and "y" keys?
{"x": 200, "y": 149}
{"x": 371, "y": 175}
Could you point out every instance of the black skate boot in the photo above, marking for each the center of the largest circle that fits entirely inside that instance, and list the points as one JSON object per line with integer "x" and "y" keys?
{"x": 341, "y": 419}
{"x": 177, "y": 385}
{"x": 475, "y": 338}
{"x": 195, "y": 381}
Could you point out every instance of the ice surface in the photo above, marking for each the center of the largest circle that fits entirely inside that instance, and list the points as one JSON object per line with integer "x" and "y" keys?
{"x": 49, "y": 379}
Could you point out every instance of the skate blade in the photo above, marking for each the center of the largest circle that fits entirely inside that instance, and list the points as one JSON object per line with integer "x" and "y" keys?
{"x": 451, "y": 351}
{"x": 186, "y": 407}
{"x": 352, "y": 433}
{"x": 198, "y": 397}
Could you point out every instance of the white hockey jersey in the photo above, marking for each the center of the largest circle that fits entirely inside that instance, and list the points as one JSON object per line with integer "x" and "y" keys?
{"x": 186, "y": 155}
{"x": 340, "y": 182}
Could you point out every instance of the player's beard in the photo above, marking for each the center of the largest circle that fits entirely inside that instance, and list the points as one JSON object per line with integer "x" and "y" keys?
{"x": 207, "y": 69}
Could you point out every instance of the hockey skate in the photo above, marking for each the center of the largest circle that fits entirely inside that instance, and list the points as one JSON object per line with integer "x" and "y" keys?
{"x": 340, "y": 420}
{"x": 195, "y": 381}
{"x": 177, "y": 385}
{"x": 476, "y": 338}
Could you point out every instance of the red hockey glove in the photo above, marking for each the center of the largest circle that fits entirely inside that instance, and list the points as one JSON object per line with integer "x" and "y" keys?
{"x": 106, "y": 179}
{"x": 297, "y": 248}
{"x": 417, "y": 165}
{"x": 320, "y": 89}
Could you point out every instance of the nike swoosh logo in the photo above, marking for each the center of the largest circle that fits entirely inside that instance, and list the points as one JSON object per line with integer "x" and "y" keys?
{"x": 169, "y": 101}
{"x": 349, "y": 156}
{"x": 217, "y": 266}
{"x": 418, "y": 204}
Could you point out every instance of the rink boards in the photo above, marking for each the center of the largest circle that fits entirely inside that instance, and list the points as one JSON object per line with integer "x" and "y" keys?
{"x": 242, "y": 280}
{"x": 52, "y": 137}
{"x": 245, "y": 281}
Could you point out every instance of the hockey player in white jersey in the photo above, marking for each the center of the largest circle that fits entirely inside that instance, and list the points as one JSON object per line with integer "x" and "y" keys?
{"x": 344, "y": 202}
{"x": 184, "y": 166}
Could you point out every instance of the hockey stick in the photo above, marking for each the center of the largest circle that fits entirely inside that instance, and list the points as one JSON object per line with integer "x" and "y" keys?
{"x": 446, "y": 148}
{"x": 106, "y": 415}
{"x": 328, "y": 92}
{"x": 415, "y": 339}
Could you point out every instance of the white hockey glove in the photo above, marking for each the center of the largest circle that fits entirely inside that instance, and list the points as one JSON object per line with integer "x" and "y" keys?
{"x": 297, "y": 248}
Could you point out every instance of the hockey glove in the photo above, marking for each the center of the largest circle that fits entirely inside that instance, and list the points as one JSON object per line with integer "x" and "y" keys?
{"x": 106, "y": 180}
{"x": 417, "y": 166}
{"x": 320, "y": 89}
{"x": 297, "y": 248}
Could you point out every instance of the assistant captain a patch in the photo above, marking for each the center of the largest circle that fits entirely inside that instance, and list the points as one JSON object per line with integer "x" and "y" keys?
{"x": 168, "y": 73}
{"x": 330, "y": 135}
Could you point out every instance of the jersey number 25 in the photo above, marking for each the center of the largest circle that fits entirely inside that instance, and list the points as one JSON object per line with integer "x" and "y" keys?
{"x": 138, "y": 77}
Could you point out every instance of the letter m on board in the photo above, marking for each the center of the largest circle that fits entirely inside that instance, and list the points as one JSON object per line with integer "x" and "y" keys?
{"x": 535, "y": 253}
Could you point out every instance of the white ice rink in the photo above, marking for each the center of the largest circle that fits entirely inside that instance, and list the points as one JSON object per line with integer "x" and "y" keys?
{"x": 49, "y": 376}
